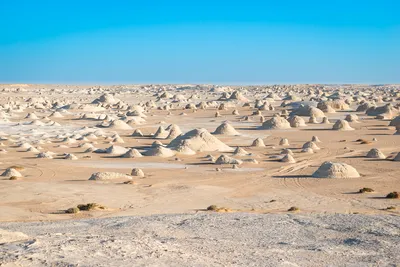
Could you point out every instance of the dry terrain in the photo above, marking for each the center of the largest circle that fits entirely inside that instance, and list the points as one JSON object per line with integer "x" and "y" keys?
{"x": 192, "y": 147}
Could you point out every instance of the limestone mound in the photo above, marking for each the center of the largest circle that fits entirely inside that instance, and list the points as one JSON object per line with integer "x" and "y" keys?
{"x": 224, "y": 159}
{"x": 330, "y": 109}
{"x": 258, "y": 143}
{"x": 45, "y": 155}
{"x": 174, "y": 131}
{"x": 85, "y": 145}
{"x": 240, "y": 152}
{"x": 387, "y": 111}
{"x": 135, "y": 120}
{"x": 199, "y": 140}
{"x": 236, "y": 95}
{"x": 119, "y": 125}
{"x": 311, "y": 145}
{"x": 315, "y": 139}
{"x": 32, "y": 149}
{"x": 307, "y": 150}
{"x": 9, "y": 172}
{"x": 118, "y": 139}
{"x": 342, "y": 125}
{"x": 31, "y": 116}
{"x": 364, "y": 107}
{"x": 161, "y": 133}
{"x": 103, "y": 176}
{"x": 69, "y": 140}
{"x": 284, "y": 142}
{"x": 296, "y": 121}
{"x": 70, "y": 157}
{"x": 286, "y": 151}
{"x": 375, "y": 153}
{"x": 330, "y": 106}
{"x": 308, "y": 111}
{"x": 226, "y": 129}
{"x": 137, "y": 172}
{"x": 116, "y": 150}
{"x": 312, "y": 120}
{"x": 25, "y": 146}
{"x": 56, "y": 114}
{"x": 276, "y": 123}
{"x": 335, "y": 170}
{"x": 113, "y": 150}
{"x": 137, "y": 133}
{"x": 132, "y": 153}
{"x": 160, "y": 151}
{"x": 325, "y": 120}
{"x": 105, "y": 98}
{"x": 288, "y": 158}
{"x": 252, "y": 161}
{"x": 185, "y": 150}
{"x": 351, "y": 118}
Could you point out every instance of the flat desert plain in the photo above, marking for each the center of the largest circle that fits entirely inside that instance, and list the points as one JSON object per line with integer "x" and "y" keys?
{"x": 199, "y": 175}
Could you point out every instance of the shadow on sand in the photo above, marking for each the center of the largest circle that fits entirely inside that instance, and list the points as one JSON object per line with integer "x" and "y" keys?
{"x": 292, "y": 176}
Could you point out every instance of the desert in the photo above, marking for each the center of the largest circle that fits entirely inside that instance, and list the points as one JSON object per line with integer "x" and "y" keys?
{"x": 172, "y": 162}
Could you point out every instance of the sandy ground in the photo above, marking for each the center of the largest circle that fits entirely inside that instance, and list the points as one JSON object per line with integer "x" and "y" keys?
{"x": 51, "y": 185}
{"x": 189, "y": 184}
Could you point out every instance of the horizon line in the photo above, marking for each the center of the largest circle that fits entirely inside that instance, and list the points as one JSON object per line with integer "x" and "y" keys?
{"x": 195, "y": 83}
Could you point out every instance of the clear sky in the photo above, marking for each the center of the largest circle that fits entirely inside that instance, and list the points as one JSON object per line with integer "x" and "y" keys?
{"x": 224, "y": 42}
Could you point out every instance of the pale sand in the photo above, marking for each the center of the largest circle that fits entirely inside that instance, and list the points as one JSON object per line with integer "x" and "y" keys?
{"x": 188, "y": 183}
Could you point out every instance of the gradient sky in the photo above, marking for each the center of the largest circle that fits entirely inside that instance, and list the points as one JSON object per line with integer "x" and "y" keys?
{"x": 225, "y": 42}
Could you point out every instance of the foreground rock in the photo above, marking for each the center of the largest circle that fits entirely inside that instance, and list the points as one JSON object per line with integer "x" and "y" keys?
{"x": 10, "y": 237}
{"x": 207, "y": 239}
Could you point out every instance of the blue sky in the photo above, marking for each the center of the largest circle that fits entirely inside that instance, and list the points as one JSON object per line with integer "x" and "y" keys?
{"x": 224, "y": 42}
